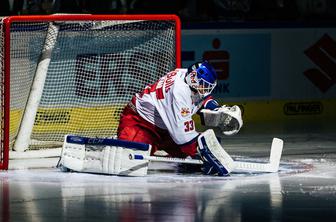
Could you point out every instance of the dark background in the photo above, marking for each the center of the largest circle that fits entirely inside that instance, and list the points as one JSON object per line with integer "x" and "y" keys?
{"x": 188, "y": 10}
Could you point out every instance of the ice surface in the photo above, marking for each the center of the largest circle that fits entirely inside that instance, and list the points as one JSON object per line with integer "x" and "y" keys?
{"x": 303, "y": 190}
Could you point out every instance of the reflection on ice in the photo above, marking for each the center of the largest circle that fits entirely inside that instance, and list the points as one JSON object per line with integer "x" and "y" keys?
{"x": 50, "y": 195}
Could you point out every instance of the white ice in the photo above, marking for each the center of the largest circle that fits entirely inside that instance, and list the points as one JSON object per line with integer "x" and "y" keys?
{"x": 303, "y": 190}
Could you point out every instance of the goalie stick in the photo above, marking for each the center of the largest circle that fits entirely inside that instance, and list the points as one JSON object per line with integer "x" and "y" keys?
{"x": 165, "y": 159}
{"x": 272, "y": 166}
{"x": 238, "y": 166}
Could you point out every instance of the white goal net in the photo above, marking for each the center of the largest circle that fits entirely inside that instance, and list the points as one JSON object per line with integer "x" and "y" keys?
{"x": 73, "y": 74}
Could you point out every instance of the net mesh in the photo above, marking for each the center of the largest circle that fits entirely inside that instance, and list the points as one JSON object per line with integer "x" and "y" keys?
{"x": 95, "y": 69}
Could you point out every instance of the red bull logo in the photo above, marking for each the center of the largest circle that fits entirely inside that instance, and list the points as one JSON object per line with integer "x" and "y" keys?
{"x": 185, "y": 112}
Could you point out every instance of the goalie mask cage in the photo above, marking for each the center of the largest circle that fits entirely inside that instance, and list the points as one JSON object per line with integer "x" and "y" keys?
{"x": 73, "y": 74}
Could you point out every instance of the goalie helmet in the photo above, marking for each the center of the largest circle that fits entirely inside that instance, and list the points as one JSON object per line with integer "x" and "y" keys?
{"x": 202, "y": 78}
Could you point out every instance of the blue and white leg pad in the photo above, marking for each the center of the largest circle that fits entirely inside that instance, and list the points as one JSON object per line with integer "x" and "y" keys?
{"x": 212, "y": 152}
{"x": 104, "y": 156}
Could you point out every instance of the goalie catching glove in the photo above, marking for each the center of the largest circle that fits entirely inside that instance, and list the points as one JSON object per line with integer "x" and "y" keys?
{"x": 228, "y": 119}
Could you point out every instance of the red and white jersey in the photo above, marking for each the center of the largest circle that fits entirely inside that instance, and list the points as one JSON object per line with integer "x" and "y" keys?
{"x": 169, "y": 105}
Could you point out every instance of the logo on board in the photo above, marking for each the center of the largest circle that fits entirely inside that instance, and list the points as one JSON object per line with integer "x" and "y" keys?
{"x": 323, "y": 55}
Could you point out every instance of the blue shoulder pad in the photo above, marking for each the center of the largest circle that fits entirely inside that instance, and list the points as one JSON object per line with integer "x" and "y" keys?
{"x": 211, "y": 104}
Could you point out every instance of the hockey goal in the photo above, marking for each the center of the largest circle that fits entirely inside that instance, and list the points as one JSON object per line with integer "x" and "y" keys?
{"x": 73, "y": 74}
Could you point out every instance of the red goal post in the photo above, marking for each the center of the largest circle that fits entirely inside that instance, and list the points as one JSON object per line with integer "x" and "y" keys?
{"x": 72, "y": 74}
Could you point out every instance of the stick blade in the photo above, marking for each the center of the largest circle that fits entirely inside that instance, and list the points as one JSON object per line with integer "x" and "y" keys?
{"x": 271, "y": 167}
{"x": 276, "y": 152}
